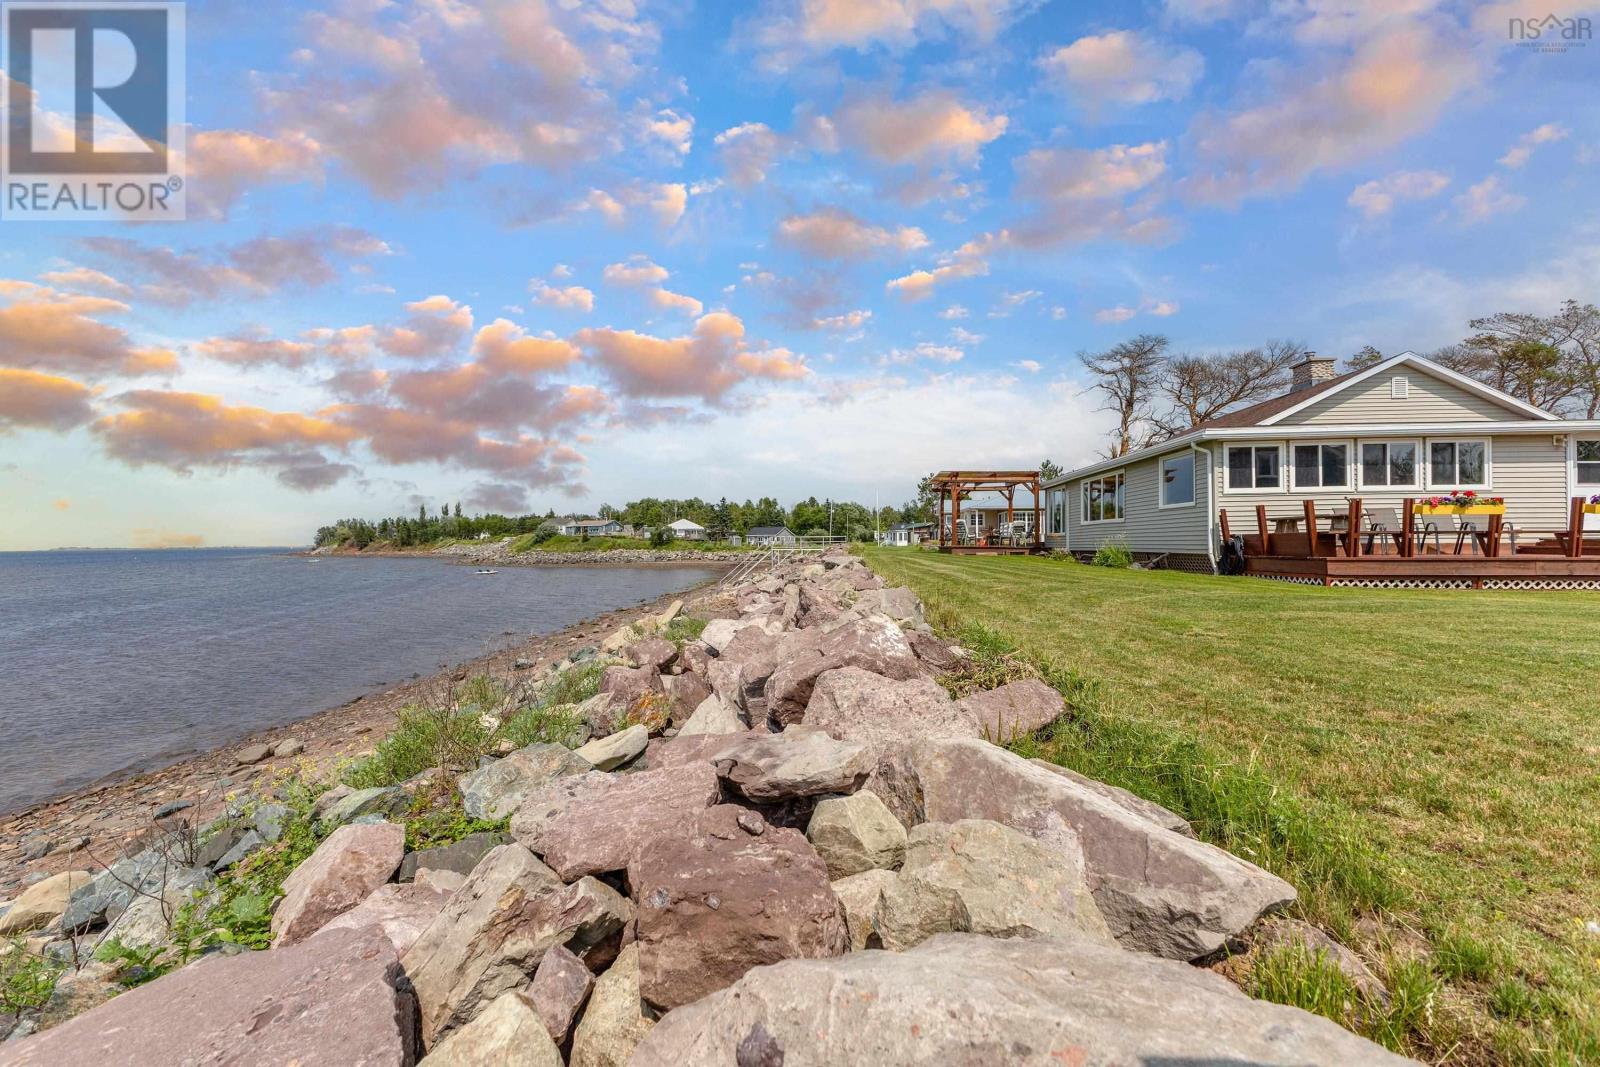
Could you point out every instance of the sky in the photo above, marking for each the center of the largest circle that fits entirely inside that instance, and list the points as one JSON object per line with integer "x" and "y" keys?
{"x": 536, "y": 254}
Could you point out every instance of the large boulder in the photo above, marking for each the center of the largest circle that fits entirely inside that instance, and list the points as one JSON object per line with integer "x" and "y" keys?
{"x": 1131, "y": 802}
{"x": 117, "y": 887}
{"x": 495, "y": 930}
{"x": 596, "y": 822}
{"x": 685, "y": 692}
{"x": 1014, "y": 710}
{"x": 344, "y": 870}
{"x": 719, "y": 633}
{"x": 802, "y": 761}
{"x": 609, "y": 753}
{"x": 616, "y": 1020}
{"x": 1159, "y": 891}
{"x": 508, "y": 1033}
{"x": 628, "y": 686}
{"x": 655, "y": 653}
{"x": 43, "y": 902}
{"x": 852, "y": 704}
{"x": 874, "y": 644}
{"x": 460, "y": 856}
{"x": 899, "y": 604}
{"x": 560, "y": 986}
{"x": 936, "y": 656}
{"x": 725, "y": 893}
{"x": 341, "y": 999}
{"x": 1009, "y": 884}
{"x": 856, "y": 833}
{"x": 740, "y": 674}
{"x": 495, "y": 791}
{"x": 384, "y": 801}
{"x": 401, "y": 910}
{"x": 966, "y": 999}
{"x": 713, "y": 716}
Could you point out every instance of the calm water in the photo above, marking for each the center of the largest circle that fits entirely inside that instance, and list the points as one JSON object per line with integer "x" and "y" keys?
{"x": 111, "y": 661}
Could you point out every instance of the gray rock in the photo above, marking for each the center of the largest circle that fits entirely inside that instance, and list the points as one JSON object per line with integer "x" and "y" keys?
{"x": 172, "y": 807}
{"x": 802, "y": 761}
{"x": 713, "y": 716}
{"x": 342, "y": 1000}
{"x": 508, "y": 1033}
{"x": 329, "y": 797}
{"x": 289, "y": 746}
{"x": 252, "y": 754}
{"x": 460, "y": 857}
{"x": 656, "y": 653}
{"x": 269, "y": 820}
{"x": 966, "y": 999}
{"x": 616, "y": 1020}
{"x": 856, "y": 833}
{"x": 860, "y": 894}
{"x": 1159, "y": 891}
{"x": 495, "y": 791}
{"x": 146, "y": 921}
{"x": 1130, "y": 802}
{"x": 495, "y": 929}
{"x": 609, "y": 753}
{"x": 899, "y": 604}
{"x": 874, "y": 644}
{"x": 43, "y": 902}
{"x": 560, "y": 987}
{"x": 111, "y": 890}
{"x": 386, "y": 802}
{"x": 1014, "y": 710}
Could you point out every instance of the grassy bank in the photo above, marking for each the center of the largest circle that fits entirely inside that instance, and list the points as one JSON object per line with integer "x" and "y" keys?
{"x": 1422, "y": 765}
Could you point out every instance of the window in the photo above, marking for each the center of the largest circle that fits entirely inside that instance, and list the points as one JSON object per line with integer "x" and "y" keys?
{"x": 1058, "y": 511}
{"x": 1177, "y": 480}
{"x": 1589, "y": 462}
{"x": 1103, "y": 498}
{"x": 1321, "y": 466}
{"x": 1255, "y": 467}
{"x": 1389, "y": 463}
{"x": 1458, "y": 464}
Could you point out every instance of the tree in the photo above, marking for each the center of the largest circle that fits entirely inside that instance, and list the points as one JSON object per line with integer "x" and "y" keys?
{"x": 1196, "y": 389}
{"x": 1552, "y": 362}
{"x": 1127, "y": 375}
{"x": 1049, "y": 471}
{"x": 1367, "y": 357}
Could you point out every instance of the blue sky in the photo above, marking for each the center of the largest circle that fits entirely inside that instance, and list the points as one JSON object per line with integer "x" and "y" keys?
{"x": 532, "y": 255}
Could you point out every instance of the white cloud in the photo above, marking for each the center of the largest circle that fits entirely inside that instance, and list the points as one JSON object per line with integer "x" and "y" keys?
{"x": 833, "y": 233}
{"x": 1123, "y": 68}
{"x": 927, "y": 351}
{"x": 971, "y": 260}
{"x": 931, "y": 128}
{"x": 965, "y": 337}
{"x": 566, "y": 298}
{"x": 671, "y": 129}
{"x": 1120, "y": 313}
{"x": 748, "y": 152}
{"x": 1375, "y": 199}
{"x": 954, "y": 311}
{"x": 1484, "y": 201}
{"x": 1032, "y": 366}
{"x": 1520, "y": 152}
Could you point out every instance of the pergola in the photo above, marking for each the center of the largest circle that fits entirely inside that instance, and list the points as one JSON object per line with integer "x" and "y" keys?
{"x": 956, "y": 486}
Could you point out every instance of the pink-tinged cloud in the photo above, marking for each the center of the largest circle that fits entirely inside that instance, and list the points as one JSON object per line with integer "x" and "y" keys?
{"x": 255, "y": 349}
{"x": 1090, "y": 174}
{"x": 505, "y": 348}
{"x": 930, "y": 129}
{"x": 436, "y": 325}
{"x": 834, "y": 233}
{"x": 87, "y": 280}
{"x": 565, "y": 298}
{"x": 971, "y": 260}
{"x": 225, "y": 164}
{"x": 35, "y": 401}
{"x": 48, "y": 329}
{"x": 706, "y": 363}
{"x": 1123, "y": 68}
{"x": 791, "y": 31}
{"x": 186, "y": 431}
{"x": 748, "y": 152}
{"x": 397, "y": 435}
{"x": 1376, "y": 199}
{"x": 160, "y": 537}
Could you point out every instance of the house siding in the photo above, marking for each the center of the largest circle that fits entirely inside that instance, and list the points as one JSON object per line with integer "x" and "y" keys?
{"x": 1146, "y": 527}
{"x": 1529, "y": 470}
{"x": 1428, "y": 399}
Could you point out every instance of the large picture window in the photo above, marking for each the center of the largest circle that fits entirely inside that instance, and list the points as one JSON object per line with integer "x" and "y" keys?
{"x": 1177, "y": 480}
{"x": 1458, "y": 464}
{"x": 1389, "y": 464}
{"x": 1255, "y": 467}
{"x": 1103, "y": 498}
{"x": 1322, "y": 466}
{"x": 1589, "y": 462}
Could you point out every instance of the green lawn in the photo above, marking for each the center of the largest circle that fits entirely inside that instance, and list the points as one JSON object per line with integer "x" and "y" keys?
{"x": 1424, "y": 766}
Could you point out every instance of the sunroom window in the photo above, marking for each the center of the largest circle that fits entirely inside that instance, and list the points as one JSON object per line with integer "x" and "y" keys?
{"x": 1389, "y": 463}
{"x": 1254, "y": 467}
{"x": 1458, "y": 464}
{"x": 1102, "y": 498}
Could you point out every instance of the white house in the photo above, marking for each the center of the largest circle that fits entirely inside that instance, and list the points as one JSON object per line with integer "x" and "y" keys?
{"x": 688, "y": 530}
{"x": 906, "y": 534}
{"x": 591, "y": 527}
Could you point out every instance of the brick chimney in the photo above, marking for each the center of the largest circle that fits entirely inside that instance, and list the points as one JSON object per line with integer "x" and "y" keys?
{"x": 1310, "y": 371}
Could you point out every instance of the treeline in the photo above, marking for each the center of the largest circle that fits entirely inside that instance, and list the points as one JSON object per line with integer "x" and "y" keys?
{"x": 721, "y": 519}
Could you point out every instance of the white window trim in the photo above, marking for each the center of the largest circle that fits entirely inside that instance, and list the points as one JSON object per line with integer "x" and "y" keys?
{"x": 1422, "y": 456}
{"x": 1161, "y": 481}
{"x": 1488, "y": 462}
{"x": 1313, "y": 490}
{"x": 1102, "y": 476}
{"x": 1227, "y": 480}
{"x": 1574, "y": 453}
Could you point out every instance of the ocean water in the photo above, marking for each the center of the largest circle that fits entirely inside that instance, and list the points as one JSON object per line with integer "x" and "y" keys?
{"x": 119, "y": 661}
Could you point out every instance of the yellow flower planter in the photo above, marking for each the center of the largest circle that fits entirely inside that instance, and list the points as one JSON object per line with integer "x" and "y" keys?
{"x": 1470, "y": 509}
{"x": 1591, "y": 509}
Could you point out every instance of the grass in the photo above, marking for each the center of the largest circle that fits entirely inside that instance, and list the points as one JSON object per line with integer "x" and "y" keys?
{"x": 1420, "y": 764}
{"x": 26, "y": 978}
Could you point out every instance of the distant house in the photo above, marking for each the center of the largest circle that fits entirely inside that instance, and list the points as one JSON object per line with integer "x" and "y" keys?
{"x": 688, "y": 530}
{"x": 591, "y": 527}
{"x": 769, "y": 535}
{"x": 906, "y": 534}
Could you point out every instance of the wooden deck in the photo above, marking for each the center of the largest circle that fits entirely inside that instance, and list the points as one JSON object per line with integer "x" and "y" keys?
{"x": 1522, "y": 571}
{"x": 991, "y": 550}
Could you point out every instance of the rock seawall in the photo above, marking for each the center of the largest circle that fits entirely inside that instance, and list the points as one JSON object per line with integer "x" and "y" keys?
{"x": 822, "y": 861}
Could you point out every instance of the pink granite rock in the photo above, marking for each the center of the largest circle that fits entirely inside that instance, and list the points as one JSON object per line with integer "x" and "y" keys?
{"x": 401, "y": 910}
{"x": 341, "y": 873}
{"x": 1014, "y": 710}
{"x": 560, "y": 986}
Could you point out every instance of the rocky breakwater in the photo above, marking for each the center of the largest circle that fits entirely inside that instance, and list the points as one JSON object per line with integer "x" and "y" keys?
{"x": 784, "y": 843}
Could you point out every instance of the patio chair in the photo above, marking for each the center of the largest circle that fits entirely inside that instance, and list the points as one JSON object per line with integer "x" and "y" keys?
{"x": 1386, "y": 522}
{"x": 1466, "y": 532}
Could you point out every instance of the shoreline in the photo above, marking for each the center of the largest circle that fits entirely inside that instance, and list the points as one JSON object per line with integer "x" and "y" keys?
{"x": 497, "y": 554}
{"x": 93, "y": 823}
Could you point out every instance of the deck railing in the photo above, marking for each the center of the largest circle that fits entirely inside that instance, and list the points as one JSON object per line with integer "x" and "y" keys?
{"x": 772, "y": 556}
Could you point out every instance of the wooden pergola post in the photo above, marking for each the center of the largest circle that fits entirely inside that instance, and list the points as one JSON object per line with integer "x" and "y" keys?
{"x": 1408, "y": 527}
{"x": 958, "y": 484}
{"x": 1575, "y": 529}
{"x": 1352, "y": 546}
{"x": 1262, "y": 531}
{"x": 1311, "y": 528}
{"x": 1038, "y": 515}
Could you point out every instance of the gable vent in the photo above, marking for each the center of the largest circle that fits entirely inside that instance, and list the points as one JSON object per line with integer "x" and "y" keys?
{"x": 1399, "y": 388}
